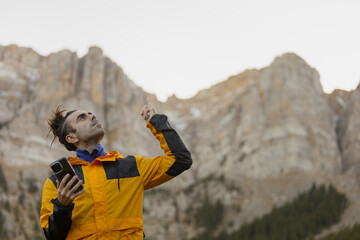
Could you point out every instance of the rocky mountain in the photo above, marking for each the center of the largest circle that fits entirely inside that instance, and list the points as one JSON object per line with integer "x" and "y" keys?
{"x": 258, "y": 139}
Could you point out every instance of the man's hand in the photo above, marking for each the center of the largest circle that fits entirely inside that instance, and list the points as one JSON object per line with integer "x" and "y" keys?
{"x": 65, "y": 193}
{"x": 148, "y": 110}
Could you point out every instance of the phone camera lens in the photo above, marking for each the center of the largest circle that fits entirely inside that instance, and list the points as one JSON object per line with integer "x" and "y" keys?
{"x": 57, "y": 167}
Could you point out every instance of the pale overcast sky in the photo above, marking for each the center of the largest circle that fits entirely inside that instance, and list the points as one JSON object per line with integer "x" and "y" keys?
{"x": 180, "y": 47}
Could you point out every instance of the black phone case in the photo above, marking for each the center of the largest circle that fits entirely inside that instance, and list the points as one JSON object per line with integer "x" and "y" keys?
{"x": 66, "y": 169}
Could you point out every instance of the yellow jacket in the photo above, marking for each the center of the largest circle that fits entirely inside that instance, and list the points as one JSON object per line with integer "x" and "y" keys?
{"x": 112, "y": 205}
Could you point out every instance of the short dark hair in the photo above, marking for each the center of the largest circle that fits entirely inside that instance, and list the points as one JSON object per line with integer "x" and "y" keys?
{"x": 59, "y": 128}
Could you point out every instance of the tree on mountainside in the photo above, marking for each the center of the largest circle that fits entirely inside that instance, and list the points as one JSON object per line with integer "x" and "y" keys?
{"x": 3, "y": 182}
{"x": 3, "y": 232}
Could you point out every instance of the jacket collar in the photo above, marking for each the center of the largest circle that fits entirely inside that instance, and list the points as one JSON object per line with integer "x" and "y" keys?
{"x": 109, "y": 157}
{"x": 84, "y": 154}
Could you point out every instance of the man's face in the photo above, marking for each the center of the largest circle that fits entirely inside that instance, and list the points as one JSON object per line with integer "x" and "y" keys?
{"x": 86, "y": 125}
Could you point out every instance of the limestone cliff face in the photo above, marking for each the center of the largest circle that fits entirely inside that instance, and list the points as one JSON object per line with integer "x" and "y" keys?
{"x": 266, "y": 122}
{"x": 257, "y": 139}
{"x": 349, "y": 124}
{"x": 33, "y": 85}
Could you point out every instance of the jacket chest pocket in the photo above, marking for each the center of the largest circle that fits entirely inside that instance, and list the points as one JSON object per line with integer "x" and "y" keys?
{"x": 121, "y": 168}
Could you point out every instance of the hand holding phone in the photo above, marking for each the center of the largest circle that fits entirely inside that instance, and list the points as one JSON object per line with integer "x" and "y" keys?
{"x": 68, "y": 184}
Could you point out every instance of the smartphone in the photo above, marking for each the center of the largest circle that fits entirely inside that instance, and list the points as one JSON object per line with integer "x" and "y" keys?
{"x": 61, "y": 167}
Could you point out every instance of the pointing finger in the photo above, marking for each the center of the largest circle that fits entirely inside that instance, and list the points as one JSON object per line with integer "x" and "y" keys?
{"x": 154, "y": 109}
{"x": 144, "y": 110}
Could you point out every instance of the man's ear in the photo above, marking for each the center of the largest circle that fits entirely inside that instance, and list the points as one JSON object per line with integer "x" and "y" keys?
{"x": 71, "y": 138}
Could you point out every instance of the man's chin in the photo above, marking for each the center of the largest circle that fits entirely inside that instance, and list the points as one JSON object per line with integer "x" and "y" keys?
{"x": 100, "y": 135}
{"x": 99, "y": 131}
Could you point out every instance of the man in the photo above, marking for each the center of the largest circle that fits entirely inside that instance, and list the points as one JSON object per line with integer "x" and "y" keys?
{"x": 110, "y": 205}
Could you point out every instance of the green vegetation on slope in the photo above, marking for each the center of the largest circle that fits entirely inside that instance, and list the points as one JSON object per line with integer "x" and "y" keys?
{"x": 209, "y": 215}
{"x": 302, "y": 218}
{"x": 346, "y": 234}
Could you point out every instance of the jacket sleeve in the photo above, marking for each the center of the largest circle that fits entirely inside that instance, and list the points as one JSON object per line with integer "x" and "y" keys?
{"x": 55, "y": 219}
{"x": 158, "y": 170}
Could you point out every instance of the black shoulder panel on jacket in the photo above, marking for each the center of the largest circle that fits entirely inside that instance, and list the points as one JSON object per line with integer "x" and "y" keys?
{"x": 79, "y": 172}
{"x": 121, "y": 168}
{"x": 53, "y": 179}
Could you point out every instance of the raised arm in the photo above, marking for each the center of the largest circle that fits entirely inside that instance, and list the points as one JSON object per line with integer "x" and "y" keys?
{"x": 160, "y": 169}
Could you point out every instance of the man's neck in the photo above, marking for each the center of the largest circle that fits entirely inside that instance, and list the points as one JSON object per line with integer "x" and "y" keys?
{"x": 88, "y": 146}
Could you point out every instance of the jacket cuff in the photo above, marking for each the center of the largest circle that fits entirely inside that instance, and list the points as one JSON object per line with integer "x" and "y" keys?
{"x": 160, "y": 122}
{"x": 58, "y": 207}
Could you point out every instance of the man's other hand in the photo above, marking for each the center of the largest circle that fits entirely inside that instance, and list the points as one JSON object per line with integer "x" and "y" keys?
{"x": 148, "y": 110}
{"x": 65, "y": 193}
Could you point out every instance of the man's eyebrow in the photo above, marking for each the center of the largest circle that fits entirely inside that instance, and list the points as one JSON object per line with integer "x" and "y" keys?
{"x": 80, "y": 115}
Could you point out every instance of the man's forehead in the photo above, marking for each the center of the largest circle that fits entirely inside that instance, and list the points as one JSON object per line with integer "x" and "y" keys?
{"x": 75, "y": 114}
